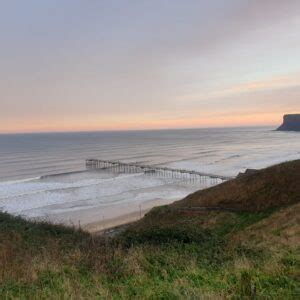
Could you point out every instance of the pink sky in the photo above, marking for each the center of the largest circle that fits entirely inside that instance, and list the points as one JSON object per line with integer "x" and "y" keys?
{"x": 117, "y": 65}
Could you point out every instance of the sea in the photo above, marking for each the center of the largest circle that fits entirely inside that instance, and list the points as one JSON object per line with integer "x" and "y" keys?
{"x": 44, "y": 176}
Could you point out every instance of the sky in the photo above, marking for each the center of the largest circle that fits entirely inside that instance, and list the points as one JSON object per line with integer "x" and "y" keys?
{"x": 76, "y": 65}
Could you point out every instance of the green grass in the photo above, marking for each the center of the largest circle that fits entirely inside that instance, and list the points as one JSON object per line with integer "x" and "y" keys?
{"x": 42, "y": 261}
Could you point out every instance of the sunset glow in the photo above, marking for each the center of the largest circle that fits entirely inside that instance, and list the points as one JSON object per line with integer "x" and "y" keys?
{"x": 110, "y": 65}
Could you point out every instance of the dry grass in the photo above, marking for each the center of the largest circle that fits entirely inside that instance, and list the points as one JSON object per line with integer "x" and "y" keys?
{"x": 268, "y": 188}
{"x": 281, "y": 229}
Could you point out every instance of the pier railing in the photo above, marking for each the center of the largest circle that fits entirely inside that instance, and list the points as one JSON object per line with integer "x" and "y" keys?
{"x": 121, "y": 167}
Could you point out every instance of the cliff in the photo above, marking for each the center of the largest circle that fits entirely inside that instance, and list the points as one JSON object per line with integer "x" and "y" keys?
{"x": 290, "y": 123}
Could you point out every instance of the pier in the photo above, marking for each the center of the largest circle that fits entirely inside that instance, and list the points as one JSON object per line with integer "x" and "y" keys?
{"x": 121, "y": 167}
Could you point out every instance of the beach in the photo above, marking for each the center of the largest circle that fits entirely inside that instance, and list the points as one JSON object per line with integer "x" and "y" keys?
{"x": 96, "y": 199}
{"x": 125, "y": 217}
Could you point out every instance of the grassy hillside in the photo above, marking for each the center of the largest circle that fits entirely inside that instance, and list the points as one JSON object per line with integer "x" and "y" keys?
{"x": 268, "y": 188}
{"x": 173, "y": 253}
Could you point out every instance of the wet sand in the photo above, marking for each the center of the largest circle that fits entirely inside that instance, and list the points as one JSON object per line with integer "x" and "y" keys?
{"x": 101, "y": 226}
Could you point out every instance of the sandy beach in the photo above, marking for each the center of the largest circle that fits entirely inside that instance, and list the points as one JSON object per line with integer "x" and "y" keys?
{"x": 126, "y": 217}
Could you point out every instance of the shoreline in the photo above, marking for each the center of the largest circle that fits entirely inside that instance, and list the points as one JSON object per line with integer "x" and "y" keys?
{"x": 114, "y": 225}
{"x": 102, "y": 226}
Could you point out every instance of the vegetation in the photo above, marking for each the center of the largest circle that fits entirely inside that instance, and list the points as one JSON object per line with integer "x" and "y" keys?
{"x": 268, "y": 188}
{"x": 167, "y": 255}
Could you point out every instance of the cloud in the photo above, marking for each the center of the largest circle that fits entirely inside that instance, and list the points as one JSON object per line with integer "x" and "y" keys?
{"x": 272, "y": 84}
{"x": 107, "y": 63}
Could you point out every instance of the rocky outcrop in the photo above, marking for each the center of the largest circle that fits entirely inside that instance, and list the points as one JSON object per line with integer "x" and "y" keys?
{"x": 290, "y": 123}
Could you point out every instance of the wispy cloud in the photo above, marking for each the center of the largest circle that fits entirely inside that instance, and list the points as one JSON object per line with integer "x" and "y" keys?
{"x": 271, "y": 84}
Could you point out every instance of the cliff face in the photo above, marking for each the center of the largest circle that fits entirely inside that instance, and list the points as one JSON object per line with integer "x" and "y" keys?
{"x": 290, "y": 123}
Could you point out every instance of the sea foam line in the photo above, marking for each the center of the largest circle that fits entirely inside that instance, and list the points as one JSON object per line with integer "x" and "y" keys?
{"x": 20, "y": 180}
{"x": 66, "y": 186}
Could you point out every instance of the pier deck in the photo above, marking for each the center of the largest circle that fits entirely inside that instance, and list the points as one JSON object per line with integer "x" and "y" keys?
{"x": 118, "y": 166}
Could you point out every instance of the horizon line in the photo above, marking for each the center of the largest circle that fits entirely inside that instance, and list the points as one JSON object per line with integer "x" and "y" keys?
{"x": 133, "y": 130}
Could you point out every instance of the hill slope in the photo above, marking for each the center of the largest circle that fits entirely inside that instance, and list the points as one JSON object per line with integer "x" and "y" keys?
{"x": 173, "y": 253}
{"x": 258, "y": 192}
{"x": 268, "y": 188}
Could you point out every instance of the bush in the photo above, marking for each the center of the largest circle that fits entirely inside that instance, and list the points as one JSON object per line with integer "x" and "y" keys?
{"x": 161, "y": 235}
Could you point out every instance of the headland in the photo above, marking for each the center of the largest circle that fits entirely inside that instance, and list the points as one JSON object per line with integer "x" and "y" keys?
{"x": 290, "y": 123}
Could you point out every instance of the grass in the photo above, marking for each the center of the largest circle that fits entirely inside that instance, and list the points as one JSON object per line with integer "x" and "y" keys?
{"x": 251, "y": 254}
{"x": 42, "y": 261}
{"x": 272, "y": 187}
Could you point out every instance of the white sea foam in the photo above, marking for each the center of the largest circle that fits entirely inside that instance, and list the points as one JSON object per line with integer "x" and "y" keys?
{"x": 9, "y": 182}
{"x": 48, "y": 197}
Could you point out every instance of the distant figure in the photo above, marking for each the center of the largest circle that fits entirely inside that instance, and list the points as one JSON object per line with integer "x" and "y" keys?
{"x": 290, "y": 123}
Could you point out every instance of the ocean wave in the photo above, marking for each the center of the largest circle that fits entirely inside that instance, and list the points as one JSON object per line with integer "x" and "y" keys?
{"x": 54, "y": 187}
{"x": 20, "y": 181}
{"x": 62, "y": 174}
